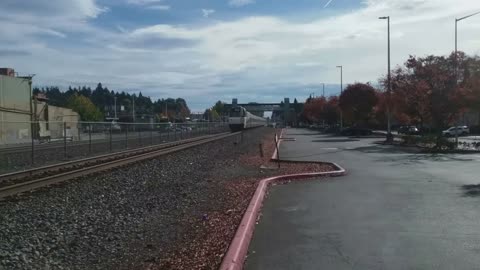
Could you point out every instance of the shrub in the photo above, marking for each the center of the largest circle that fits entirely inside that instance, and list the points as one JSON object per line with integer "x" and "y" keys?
{"x": 434, "y": 142}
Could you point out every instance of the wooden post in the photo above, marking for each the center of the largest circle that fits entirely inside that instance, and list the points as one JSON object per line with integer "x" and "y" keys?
{"x": 110, "y": 143}
{"x": 126, "y": 136}
{"x": 278, "y": 151}
{"x": 90, "y": 139}
{"x": 65, "y": 140}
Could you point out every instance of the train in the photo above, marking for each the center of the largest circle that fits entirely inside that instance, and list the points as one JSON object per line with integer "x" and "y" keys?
{"x": 240, "y": 119}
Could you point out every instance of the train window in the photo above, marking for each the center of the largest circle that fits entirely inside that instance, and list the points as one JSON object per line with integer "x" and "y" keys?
{"x": 236, "y": 112}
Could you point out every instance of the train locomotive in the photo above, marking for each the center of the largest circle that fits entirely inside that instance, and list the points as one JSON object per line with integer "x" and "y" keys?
{"x": 240, "y": 119}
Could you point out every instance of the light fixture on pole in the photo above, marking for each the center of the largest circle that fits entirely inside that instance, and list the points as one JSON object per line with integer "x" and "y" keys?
{"x": 341, "y": 91}
{"x": 389, "y": 89}
{"x": 456, "y": 22}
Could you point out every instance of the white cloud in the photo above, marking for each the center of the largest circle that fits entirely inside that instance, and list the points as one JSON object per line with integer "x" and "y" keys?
{"x": 207, "y": 12}
{"x": 143, "y": 2}
{"x": 30, "y": 21}
{"x": 159, "y": 7}
{"x": 150, "y": 4}
{"x": 240, "y": 3}
{"x": 74, "y": 9}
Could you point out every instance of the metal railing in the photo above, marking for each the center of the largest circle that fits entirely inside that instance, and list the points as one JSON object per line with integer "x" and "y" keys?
{"x": 31, "y": 144}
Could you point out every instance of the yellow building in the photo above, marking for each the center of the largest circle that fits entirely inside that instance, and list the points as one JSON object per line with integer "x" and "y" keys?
{"x": 15, "y": 109}
{"x": 22, "y": 117}
{"x": 51, "y": 121}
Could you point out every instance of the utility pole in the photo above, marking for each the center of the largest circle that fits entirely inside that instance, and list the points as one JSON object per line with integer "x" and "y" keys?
{"x": 389, "y": 90}
{"x": 323, "y": 91}
{"x": 341, "y": 92}
{"x": 456, "y": 62}
{"x": 133, "y": 109}
{"x": 115, "y": 109}
{"x": 166, "y": 109}
{"x": 33, "y": 116}
{"x": 455, "y": 73}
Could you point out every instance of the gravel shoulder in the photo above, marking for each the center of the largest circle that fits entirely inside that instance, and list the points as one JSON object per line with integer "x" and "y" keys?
{"x": 176, "y": 212}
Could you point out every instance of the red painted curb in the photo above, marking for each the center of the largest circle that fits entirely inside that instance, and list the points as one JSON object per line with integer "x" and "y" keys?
{"x": 237, "y": 251}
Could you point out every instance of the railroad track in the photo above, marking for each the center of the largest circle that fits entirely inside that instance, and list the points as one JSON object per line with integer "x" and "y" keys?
{"x": 40, "y": 177}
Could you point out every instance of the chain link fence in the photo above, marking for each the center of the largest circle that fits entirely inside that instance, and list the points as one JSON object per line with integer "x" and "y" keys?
{"x": 25, "y": 145}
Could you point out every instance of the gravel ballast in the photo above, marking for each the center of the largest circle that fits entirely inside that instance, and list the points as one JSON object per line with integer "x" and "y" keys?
{"x": 175, "y": 212}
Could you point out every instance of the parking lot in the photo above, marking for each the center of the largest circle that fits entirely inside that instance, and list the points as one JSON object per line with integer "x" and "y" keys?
{"x": 395, "y": 209}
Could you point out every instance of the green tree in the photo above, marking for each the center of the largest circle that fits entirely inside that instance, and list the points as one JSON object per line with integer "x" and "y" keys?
{"x": 211, "y": 115}
{"x": 103, "y": 99}
{"x": 85, "y": 107}
{"x": 297, "y": 106}
{"x": 219, "y": 107}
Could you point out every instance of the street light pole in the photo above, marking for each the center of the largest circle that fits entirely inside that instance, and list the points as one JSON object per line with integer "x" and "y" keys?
{"x": 456, "y": 22}
{"x": 115, "y": 110}
{"x": 456, "y": 38}
{"x": 389, "y": 79}
{"x": 341, "y": 91}
{"x": 455, "y": 72}
{"x": 133, "y": 112}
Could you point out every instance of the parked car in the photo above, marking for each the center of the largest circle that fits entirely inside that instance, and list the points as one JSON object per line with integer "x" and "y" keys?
{"x": 173, "y": 129}
{"x": 459, "y": 130}
{"x": 331, "y": 129}
{"x": 402, "y": 129}
{"x": 408, "y": 130}
{"x": 114, "y": 126}
{"x": 356, "y": 131}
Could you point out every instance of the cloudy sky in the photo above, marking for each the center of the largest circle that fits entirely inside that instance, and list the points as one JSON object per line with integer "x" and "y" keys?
{"x": 206, "y": 50}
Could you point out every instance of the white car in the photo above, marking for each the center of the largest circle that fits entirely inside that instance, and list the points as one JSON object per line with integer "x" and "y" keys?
{"x": 460, "y": 130}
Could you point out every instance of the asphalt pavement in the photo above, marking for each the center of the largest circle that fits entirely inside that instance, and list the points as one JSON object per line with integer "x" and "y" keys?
{"x": 396, "y": 209}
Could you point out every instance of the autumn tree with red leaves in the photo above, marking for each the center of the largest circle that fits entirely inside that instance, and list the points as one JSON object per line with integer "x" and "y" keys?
{"x": 357, "y": 102}
{"x": 331, "y": 111}
{"x": 410, "y": 98}
{"x": 322, "y": 110}
{"x": 424, "y": 91}
{"x": 313, "y": 109}
{"x": 469, "y": 86}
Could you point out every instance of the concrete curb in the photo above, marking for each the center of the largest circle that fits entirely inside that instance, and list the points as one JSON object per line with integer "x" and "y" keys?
{"x": 237, "y": 251}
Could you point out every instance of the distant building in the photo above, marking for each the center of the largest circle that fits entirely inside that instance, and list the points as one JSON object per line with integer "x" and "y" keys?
{"x": 23, "y": 117}
{"x": 7, "y": 72}
{"x": 15, "y": 107}
{"x": 197, "y": 116}
{"x": 53, "y": 120}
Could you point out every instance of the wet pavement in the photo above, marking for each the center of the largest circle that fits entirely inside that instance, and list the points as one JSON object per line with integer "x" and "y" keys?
{"x": 396, "y": 209}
